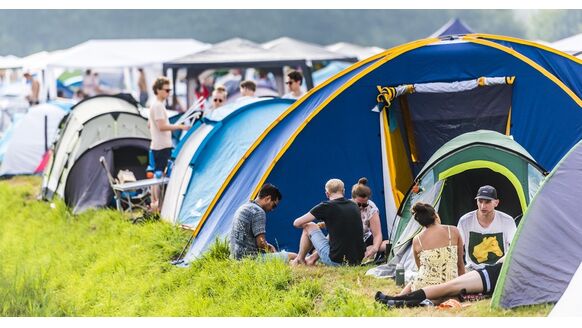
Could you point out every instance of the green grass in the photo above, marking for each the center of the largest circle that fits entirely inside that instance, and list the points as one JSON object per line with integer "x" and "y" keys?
{"x": 53, "y": 263}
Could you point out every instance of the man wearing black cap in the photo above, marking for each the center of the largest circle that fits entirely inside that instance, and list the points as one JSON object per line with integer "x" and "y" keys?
{"x": 486, "y": 232}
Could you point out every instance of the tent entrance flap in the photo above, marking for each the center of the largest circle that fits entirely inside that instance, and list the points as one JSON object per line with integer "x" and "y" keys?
{"x": 130, "y": 158}
{"x": 458, "y": 196}
{"x": 431, "y": 114}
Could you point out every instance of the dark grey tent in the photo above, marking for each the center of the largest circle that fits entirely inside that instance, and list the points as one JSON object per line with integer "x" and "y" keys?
{"x": 547, "y": 248}
{"x": 109, "y": 126}
{"x": 87, "y": 185}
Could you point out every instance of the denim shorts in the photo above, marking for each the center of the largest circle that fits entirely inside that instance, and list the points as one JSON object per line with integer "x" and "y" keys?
{"x": 321, "y": 245}
{"x": 282, "y": 255}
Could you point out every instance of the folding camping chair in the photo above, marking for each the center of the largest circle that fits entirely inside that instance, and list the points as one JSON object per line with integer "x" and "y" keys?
{"x": 126, "y": 194}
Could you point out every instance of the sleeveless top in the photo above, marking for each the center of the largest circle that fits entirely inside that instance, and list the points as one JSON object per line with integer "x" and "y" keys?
{"x": 437, "y": 265}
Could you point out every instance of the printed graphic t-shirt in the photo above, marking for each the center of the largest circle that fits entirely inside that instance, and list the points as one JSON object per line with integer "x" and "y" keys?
{"x": 249, "y": 222}
{"x": 484, "y": 246}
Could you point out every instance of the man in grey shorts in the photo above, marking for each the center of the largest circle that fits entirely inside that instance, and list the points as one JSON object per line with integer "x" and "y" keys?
{"x": 247, "y": 236}
{"x": 342, "y": 219}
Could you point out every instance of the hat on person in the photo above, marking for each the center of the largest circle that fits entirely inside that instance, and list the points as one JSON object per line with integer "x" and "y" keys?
{"x": 486, "y": 192}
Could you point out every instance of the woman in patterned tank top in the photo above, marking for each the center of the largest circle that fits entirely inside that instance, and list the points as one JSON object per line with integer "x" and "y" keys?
{"x": 437, "y": 249}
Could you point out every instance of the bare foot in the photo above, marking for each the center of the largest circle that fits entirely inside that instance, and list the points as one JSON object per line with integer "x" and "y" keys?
{"x": 297, "y": 261}
{"x": 311, "y": 260}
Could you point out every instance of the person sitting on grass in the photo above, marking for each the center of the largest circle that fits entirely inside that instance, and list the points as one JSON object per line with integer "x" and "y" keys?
{"x": 342, "y": 219}
{"x": 473, "y": 282}
{"x": 369, "y": 212}
{"x": 247, "y": 236}
{"x": 437, "y": 249}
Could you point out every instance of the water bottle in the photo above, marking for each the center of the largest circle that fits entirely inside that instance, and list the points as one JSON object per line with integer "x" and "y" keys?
{"x": 399, "y": 275}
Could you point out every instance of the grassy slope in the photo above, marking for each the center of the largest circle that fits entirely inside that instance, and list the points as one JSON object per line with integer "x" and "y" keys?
{"x": 99, "y": 264}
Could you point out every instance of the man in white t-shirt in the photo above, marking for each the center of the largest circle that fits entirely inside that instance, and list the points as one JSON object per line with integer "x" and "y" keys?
{"x": 486, "y": 232}
{"x": 294, "y": 81}
{"x": 161, "y": 132}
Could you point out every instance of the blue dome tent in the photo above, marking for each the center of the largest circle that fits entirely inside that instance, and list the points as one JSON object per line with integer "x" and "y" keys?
{"x": 209, "y": 151}
{"x": 368, "y": 121}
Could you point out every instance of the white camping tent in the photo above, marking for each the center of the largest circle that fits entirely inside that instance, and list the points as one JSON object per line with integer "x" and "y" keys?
{"x": 125, "y": 55}
{"x": 354, "y": 50}
{"x": 31, "y": 138}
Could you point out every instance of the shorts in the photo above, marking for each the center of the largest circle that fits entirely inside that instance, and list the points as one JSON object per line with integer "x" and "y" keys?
{"x": 321, "y": 245}
{"x": 282, "y": 256}
{"x": 161, "y": 158}
{"x": 489, "y": 275}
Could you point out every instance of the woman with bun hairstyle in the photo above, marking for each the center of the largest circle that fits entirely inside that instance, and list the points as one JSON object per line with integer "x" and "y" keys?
{"x": 437, "y": 249}
{"x": 361, "y": 194}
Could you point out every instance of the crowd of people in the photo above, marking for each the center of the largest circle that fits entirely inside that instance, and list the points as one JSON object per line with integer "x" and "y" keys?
{"x": 451, "y": 260}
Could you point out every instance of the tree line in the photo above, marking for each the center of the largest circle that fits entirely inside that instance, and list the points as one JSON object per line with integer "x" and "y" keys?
{"x": 23, "y": 32}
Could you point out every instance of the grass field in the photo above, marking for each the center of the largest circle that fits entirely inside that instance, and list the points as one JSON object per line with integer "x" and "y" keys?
{"x": 53, "y": 263}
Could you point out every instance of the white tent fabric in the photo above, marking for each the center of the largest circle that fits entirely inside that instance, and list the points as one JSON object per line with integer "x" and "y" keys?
{"x": 29, "y": 141}
{"x": 235, "y": 50}
{"x": 354, "y": 50}
{"x": 571, "y": 45}
{"x": 570, "y": 303}
{"x": 9, "y": 62}
{"x": 296, "y": 49}
{"x": 123, "y": 53}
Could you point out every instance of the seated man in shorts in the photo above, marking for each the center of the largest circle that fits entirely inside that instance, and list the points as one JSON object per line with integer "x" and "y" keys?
{"x": 342, "y": 219}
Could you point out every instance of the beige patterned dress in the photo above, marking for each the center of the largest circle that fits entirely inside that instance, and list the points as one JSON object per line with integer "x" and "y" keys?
{"x": 437, "y": 265}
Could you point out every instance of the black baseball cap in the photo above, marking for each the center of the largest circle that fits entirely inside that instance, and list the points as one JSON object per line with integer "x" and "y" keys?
{"x": 486, "y": 192}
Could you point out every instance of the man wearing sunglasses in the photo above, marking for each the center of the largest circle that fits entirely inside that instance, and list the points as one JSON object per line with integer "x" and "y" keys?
{"x": 247, "y": 236}
{"x": 294, "y": 81}
{"x": 218, "y": 100}
{"x": 342, "y": 220}
{"x": 161, "y": 132}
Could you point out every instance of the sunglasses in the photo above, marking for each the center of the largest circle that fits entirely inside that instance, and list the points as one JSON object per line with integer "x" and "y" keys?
{"x": 167, "y": 90}
{"x": 362, "y": 205}
{"x": 289, "y": 82}
{"x": 218, "y": 99}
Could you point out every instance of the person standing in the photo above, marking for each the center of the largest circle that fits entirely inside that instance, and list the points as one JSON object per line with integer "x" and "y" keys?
{"x": 33, "y": 96}
{"x": 161, "y": 132}
{"x": 486, "y": 232}
{"x": 294, "y": 82}
{"x": 143, "y": 88}
{"x": 247, "y": 89}
{"x": 88, "y": 86}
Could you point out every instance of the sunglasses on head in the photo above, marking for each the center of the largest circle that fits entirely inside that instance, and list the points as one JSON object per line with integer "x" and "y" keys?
{"x": 218, "y": 99}
{"x": 363, "y": 205}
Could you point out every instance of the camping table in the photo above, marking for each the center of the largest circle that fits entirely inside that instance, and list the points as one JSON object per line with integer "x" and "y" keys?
{"x": 120, "y": 188}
